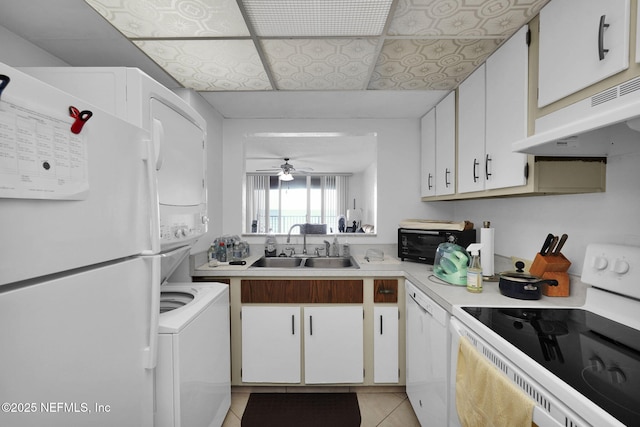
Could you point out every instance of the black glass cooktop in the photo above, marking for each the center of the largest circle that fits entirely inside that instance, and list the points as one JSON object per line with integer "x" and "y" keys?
{"x": 598, "y": 357}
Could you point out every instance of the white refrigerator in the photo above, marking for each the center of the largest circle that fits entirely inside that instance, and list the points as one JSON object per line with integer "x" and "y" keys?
{"x": 79, "y": 305}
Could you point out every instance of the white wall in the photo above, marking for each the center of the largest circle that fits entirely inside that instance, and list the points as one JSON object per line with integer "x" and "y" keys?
{"x": 522, "y": 223}
{"x": 18, "y": 52}
{"x": 398, "y": 181}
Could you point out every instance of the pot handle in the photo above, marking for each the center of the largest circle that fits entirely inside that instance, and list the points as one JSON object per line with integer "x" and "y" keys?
{"x": 550, "y": 282}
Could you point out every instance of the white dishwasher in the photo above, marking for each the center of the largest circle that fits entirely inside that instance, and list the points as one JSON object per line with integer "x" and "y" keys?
{"x": 428, "y": 343}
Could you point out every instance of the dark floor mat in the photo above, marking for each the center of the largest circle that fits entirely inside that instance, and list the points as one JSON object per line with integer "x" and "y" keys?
{"x": 302, "y": 409}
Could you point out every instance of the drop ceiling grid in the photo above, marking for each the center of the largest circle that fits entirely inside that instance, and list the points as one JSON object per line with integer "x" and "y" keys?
{"x": 318, "y": 44}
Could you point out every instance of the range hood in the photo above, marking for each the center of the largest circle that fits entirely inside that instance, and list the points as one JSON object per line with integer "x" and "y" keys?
{"x": 604, "y": 124}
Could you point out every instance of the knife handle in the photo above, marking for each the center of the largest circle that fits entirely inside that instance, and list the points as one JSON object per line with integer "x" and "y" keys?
{"x": 563, "y": 239}
{"x": 546, "y": 245}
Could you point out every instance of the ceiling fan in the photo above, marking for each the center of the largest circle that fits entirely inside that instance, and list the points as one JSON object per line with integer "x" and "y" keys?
{"x": 285, "y": 171}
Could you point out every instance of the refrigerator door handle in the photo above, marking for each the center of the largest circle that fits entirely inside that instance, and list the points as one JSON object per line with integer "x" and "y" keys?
{"x": 158, "y": 138}
{"x": 154, "y": 202}
{"x": 151, "y": 350}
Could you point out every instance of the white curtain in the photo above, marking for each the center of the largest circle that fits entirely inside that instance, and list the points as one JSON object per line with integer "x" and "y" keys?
{"x": 257, "y": 202}
{"x": 335, "y": 189}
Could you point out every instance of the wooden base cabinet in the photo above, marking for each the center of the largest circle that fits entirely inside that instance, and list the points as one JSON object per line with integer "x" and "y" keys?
{"x": 320, "y": 331}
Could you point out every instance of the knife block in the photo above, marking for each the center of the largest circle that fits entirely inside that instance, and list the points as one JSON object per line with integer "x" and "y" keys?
{"x": 552, "y": 267}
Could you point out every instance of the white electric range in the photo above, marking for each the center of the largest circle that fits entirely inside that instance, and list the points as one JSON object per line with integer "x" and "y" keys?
{"x": 580, "y": 365}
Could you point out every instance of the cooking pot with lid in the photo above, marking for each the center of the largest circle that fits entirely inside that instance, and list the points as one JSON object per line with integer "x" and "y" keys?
{"x": 521, "y": 285}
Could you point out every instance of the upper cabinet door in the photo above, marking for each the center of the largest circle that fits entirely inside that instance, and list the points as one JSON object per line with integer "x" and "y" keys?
{"x": 506, "y": 112}
{"x": 428, "y": 154}
{"x": 581, "y": 43}
{"x": 446, "y": 145}
{"x": 471, "y": 130}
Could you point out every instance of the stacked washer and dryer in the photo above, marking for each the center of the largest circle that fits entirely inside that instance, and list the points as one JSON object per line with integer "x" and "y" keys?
{"x": 192, "y": 371}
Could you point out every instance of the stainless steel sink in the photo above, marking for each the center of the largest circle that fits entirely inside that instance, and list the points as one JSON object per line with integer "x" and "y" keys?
{"x": 279, "y": 262}
{"x": 330, "y": 262}
{"x": 310, "y": 262}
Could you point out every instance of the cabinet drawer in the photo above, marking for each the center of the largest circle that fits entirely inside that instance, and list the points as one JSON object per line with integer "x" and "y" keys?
{"x": 385, "y": 290}
{"x": 302, "y": 291}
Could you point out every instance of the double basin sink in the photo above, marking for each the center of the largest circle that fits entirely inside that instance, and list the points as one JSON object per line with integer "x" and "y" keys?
{"x": 308, "y": 262}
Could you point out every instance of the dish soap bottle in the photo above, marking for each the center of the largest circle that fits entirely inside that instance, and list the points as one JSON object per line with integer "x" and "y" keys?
{"x": 222, "y": 252}
{"x": 270, "y": 246}
{"x": 474, "y": 272}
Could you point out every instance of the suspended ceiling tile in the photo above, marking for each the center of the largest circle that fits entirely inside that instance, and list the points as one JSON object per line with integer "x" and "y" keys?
{"x": 210, "y": 65}
{"x": 428, "y": 64}
{"x": 462, "y": 18}
{"x": 320, "y": 64}
{"x": 173, "y": 18}
{"x": 307, "y": 18}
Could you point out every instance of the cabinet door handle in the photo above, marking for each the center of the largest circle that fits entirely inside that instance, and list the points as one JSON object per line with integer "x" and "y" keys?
{"x": 381, "y": 324}
{"x": 293, "y": 324}
{"x": 447, "y": 172}
{"x": 429, "y": 181}
{"x": 601, "y": 50}
{"x": 487, "y": 174}
{"x": 476, "y": 163}
{"x": 310, "y": 325}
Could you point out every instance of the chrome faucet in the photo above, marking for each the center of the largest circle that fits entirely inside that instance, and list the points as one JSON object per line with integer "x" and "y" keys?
{"x": 327, "y": 247}
{"x": 303, "y": 230}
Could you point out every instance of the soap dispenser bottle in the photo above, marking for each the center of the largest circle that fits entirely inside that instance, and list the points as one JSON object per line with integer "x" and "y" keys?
{"x": 270, "y": 246}
{"x": 474, "y": 271}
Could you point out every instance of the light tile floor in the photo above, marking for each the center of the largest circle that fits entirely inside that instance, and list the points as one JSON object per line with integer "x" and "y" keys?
{"x": 377, "y": 409}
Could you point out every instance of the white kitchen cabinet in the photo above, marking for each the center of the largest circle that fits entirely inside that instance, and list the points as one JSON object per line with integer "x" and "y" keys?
{"x": 581, "y": 43}
{"x": 271, "y": 344}
{"x": 492, "y": 115}
{"x": 333, "y": 345}
{"x": 446, "y": 145}
{"x": 507, "y": 80}
{"x": 428, "y": 154}
{"x": 471, "y": 132}
{"x": 438, "y": 156}
{"x": 385, "y": 344}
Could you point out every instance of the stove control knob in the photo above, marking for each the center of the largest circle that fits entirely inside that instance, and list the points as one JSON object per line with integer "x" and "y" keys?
{"x": 620, "y": 266}
{"x": 600, "y": 263}
{"x": 617, "y": 376}
{"x": 596, "y": 364}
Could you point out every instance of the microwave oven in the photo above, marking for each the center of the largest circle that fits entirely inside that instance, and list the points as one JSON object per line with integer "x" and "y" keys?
{"x": 421, "y": 245}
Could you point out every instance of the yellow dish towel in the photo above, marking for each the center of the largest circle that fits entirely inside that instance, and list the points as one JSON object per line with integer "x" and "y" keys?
{"x": 484, "y": 396}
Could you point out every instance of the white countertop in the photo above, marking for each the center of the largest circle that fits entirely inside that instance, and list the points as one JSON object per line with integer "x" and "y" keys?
{"x": 419, "y": 274}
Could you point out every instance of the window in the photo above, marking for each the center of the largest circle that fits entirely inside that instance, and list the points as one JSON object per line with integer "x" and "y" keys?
{"x": 275, "y": 205}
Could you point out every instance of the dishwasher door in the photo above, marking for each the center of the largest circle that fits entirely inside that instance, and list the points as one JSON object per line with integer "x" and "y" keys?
{"x": 427, "y": 357}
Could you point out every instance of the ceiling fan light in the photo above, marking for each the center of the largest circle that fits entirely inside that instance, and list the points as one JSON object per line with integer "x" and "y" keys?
{"x": 285, "y": 176}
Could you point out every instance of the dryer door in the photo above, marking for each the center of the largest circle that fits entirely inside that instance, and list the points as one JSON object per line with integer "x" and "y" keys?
{"x": 180, "y": 161}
